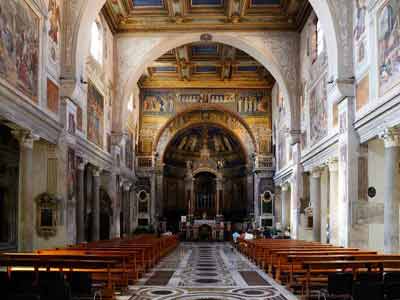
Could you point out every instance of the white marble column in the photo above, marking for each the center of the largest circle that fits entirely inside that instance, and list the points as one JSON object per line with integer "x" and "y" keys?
{"x": 347, "y": 169}
{"x": 285, "y": 208}
{"x": 315, "y": 197}
{"x": 333, "y": 201}
{"x": 96, "y": 205}
{"x": 80, "y": 207}
{"x": 26, "y": 221}
{"x": 391, "y": 139}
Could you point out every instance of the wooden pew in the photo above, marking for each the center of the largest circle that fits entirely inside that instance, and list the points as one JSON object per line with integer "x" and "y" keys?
{"x": 38, "y": 264}
{"x": 324, "y": 267}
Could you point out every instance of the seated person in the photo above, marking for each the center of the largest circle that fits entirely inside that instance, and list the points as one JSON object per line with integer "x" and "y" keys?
{"x": 235, "y": 236}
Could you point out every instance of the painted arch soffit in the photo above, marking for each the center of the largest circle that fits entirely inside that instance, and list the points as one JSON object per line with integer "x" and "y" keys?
{"x": 207, "y": 115}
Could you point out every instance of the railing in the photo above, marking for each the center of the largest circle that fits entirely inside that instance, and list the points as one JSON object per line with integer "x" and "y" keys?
{"x": 144, "y": 162}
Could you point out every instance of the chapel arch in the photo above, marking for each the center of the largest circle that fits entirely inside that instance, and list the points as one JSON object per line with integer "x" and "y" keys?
{"x": 206, "y": 114}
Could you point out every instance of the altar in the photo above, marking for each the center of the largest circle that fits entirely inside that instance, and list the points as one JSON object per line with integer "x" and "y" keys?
{"x": 204, "y": 229}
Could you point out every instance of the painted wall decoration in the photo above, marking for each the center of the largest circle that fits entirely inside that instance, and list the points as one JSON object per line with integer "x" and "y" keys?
{"x": 52, "y": 96}
{"x": 360, "y": 18}
{"x": 318, "y": 111}
{"x": 389, "y": 46}
{"x": 95, "y": 115}
{"x": 19, "y": 47}
{"x": 359, "y": 31}
{"x": 362, "y": 92}
{"x": 71, "y": 171}
{"x": 165, "y": 102}
{"x": 54, "y": 28}
{"x": 79, "y": 121}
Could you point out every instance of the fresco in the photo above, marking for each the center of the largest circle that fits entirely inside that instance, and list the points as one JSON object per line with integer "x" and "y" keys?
{"x": 389, "y": 45}
{"x": 19, "y": 47}
{"x": 71, "y": 171}
{"x": 54, "y": 28}
{"x": 95, "y": 115}
{"x": 167, "y": 102}
{"x": 52, "y": 96}
{"x": 318, "y": 111}
{"x": 360, "y": 19}
{"x": 362, "y": 93}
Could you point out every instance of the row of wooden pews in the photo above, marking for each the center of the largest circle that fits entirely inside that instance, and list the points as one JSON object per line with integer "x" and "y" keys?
{"x": 109, "y": 266}
{"x": 307, "y": 267}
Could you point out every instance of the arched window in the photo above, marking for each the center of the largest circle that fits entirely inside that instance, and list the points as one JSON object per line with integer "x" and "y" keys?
{"x": 130, "y": 103}
{"x": 317, "y": 40}
{"x": 96, "y": 42}
{"x": 320, "y": 38}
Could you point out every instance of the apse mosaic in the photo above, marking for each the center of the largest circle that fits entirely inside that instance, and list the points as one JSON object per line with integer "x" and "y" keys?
{"x": 188, "y": 145}
{"x": 389, "y": 45}
{"x": 19, "y": 47}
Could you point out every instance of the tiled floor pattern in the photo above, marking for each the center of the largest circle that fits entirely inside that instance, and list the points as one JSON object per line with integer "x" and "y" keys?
{"x": 208, "y": 271}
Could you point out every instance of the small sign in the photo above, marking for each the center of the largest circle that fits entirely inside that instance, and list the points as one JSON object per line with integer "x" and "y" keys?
{"x": 371, "y": 192}
{"x": 183, "y": 219}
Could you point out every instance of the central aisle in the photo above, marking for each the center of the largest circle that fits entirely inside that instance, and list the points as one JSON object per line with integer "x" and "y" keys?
{"x": 208, "y": 271}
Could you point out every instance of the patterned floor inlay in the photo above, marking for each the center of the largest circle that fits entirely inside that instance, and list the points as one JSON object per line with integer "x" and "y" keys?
{"x": 207, "y": 271}
{"x": 160, "y": 278}
{"x": 253, "y": 278}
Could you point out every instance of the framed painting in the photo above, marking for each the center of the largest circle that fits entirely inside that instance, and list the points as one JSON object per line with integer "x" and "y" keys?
{"x": 19, "y": 47}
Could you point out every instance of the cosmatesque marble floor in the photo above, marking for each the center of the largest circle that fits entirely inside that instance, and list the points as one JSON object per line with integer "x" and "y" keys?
{"x": 207, "y": 271}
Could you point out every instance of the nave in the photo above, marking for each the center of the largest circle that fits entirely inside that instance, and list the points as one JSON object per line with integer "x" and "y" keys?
{"x": 207, "y": 271}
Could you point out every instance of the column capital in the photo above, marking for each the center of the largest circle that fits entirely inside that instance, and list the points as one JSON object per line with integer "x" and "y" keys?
{"x": 333, "y": 165}
{"x": 316, "y": 172}
{"x": 285, "y": 187}
{"x": 127, "y": 185}
{"x": 82, "y": 164}
{"x": 97, "y": 172}
{"x": 391, "y": 137}
{"x": 26, "y": 138}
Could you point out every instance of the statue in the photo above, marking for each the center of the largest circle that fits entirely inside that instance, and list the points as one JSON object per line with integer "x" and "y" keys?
{"x": 189, "y": 165}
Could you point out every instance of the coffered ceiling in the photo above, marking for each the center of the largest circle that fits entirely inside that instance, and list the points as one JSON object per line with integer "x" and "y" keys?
{"x": 206, "y": 65}
{"x": 198, "y": 15}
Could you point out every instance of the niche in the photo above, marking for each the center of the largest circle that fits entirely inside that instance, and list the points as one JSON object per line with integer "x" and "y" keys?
{"x": 143, "y": 197}
{"x": 46, "y": 215}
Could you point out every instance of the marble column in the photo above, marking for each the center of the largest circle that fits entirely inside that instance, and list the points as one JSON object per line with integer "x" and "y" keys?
{"x": 80, "y": 207}
{"x": 26, "y": 221}
{"x": 391, "y": 138}
{"x": 250, "y": 193}
{"x": 315, "y": 197}
{"x": 256, "y": 199}
{"x": 126, "y": 209}
{"x": 285, "y": 210}
{"x": 348, "y": 158}
{"x": 333, "y": 201}
{"x": 218, "y": 197}
{"x": 96, "y": 205}
{"x": 296, "y": 184}
{"x": 189, "y": 195}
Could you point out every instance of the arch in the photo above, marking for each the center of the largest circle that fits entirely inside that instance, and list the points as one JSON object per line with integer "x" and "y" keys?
{"x": 164, "y": 138}
{"x": 90, "y": 9}
{"x": 206, "y": 170}
{"x": 329, "y": 25}
{"x": 160, "y": 46}
{"x": 238, "y": 139}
